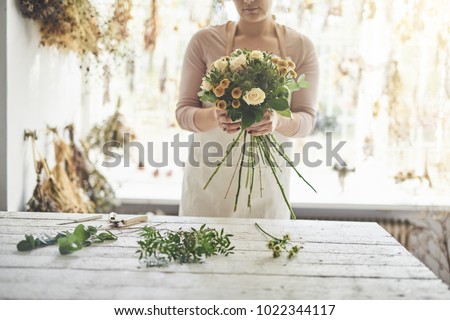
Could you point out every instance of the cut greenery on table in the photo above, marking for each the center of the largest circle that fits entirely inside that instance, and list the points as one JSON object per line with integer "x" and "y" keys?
{"x": 68, "y": 241}
{"x": 278, "y": 245}
{"x": 160, "y": 247}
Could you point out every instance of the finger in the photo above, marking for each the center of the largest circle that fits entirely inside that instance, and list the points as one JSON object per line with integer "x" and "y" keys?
{"x": 232, "y": 126}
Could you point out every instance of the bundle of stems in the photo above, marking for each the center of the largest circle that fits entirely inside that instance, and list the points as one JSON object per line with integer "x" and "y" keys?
{"x": 265, "y": 148}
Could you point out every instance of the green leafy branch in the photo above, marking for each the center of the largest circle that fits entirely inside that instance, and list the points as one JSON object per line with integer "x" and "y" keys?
{"x": 68, "y": 241}
{"x": 278, "y": 245}
{"x": 159, "y": 248}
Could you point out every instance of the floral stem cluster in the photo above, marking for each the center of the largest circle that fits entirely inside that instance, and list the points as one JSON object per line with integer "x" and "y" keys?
{"x": 278, "y": 245}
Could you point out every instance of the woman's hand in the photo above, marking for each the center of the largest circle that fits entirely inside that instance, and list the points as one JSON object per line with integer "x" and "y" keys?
{"x": 267, "y": 125}
{"x": 226, "y": 124}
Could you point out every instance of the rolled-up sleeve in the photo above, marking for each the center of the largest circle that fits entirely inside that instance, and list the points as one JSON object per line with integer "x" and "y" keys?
{"x": 193, "y": 70}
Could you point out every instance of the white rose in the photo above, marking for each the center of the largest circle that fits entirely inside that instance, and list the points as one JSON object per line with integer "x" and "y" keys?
{"x": 221, "y": 64}
{"x": 256, "y": 54}
{"x": 254, "y": 97}
{"x": 238, "y": 63}
{"x": 206, "y": 85}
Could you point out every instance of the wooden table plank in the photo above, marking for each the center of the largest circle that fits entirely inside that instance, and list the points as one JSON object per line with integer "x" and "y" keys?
{"x": 340, "y": 260}
{"x": 82, "y": 284}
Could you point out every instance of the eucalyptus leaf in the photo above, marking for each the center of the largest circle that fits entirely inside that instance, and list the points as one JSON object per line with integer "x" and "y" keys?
{"x": 107, "y": 236}
{"x": 68, "y": 242}
{"x": 81, "y": 234}
{"x": 25, "y": 245}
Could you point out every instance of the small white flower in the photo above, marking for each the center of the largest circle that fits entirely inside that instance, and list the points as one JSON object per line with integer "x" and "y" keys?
{"x": 254, "y": 97}
{"x": 221, "y": 64}
{"x": 238, "y": 63}
{"x": 256, "y": 54}
{"x": 206, "y": 85}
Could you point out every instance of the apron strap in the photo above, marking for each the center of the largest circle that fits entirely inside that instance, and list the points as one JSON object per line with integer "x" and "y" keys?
{"x": 280, "y": 31}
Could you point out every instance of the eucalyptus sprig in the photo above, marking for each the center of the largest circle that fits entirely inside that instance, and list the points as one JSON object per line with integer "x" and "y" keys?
{"x": 160, "y": 247}
{"x": 278, "y": 245}
{"x": 68, "y": 241}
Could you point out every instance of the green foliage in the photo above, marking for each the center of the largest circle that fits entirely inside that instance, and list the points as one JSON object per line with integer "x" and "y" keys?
{"x": 68, "y": 241}
{"x": 277, "y": 245}
{"x": 159, "y": 248}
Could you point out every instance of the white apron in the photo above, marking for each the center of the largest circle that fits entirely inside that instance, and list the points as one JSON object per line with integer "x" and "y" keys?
{"x": 211, "y": 202}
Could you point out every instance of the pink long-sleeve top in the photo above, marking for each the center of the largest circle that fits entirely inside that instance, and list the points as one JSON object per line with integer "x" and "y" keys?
{"x": 212, "y": 43}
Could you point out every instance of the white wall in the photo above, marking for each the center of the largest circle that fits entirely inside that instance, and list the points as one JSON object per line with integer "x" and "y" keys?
{"x": 3, "y": 171}
{"x": 43, "y": 87}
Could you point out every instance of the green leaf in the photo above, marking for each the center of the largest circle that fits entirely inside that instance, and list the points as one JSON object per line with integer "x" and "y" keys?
{"x": 259, "y": 114}
{"x": 293, "y": 86}
{"x": 107, "y": 236}
{"x": 304, "y": 84}
{"x": 278, "y": 104}
{"x": 208, "y": 97}
{"x": 25, "y": 245}
{"x": 81, "y": 234}
{"x": 69, "y": 244}
{"x": 285, "y": 113}
{"x": 248, "y": 118}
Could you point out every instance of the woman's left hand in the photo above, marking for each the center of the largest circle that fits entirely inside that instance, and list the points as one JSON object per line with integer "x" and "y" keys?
{"x": 267, "y": 125}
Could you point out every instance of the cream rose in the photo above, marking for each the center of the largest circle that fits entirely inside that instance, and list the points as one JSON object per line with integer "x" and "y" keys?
{"x": 221, "y": 64}
{"x": 238, "y": 63}
{"x": 254, "y": 97}
{"x": 256, "y": 54}
{"x": 206, "y": 85}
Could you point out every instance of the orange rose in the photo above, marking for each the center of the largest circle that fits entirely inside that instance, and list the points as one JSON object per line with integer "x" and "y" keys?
{"x": 282, "y": 63}
{"x": 221, "y": 104}
{"x": 218, "y": 91}
{"x": 283, "y": 70}
{"x": 236, "y": 93}
{"x": 294, "y": 74}
{"x": 225, "y": 83}
{"x": 291, "y": 64}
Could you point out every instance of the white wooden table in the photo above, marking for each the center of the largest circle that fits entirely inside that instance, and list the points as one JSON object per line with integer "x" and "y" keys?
{"x": 339, "y": 260}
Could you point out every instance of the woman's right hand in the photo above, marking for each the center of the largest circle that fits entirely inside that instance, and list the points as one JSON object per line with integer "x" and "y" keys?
{"x": 226, "y": 124}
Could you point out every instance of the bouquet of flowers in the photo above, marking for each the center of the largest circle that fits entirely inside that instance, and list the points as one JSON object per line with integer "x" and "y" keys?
{"x": 246, "y": 85}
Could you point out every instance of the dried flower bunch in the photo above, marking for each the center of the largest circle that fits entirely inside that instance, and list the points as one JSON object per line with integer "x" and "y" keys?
{"x": 67, "y": 24}
{"x": 73, "y": 185}
{"x": 116, "y": 29}
{"x": 151, "y": 27}
{"x": 112, "y": 129}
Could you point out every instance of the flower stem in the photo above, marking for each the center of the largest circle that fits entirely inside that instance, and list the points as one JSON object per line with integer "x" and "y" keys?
{"x": 265, "y": 232}
{"x": 240, "y": 173}
{"x": 283, "y": 193}
{"x": 272, "y": 140}
{"x": 224, "y": 158}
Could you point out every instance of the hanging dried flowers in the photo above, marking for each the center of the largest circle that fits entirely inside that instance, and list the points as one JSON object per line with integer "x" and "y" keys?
{"x": 151, "y": 27}
{"x": 116, "y": 30}
{"x": 67, "y": 24}
{"x": 112, "y": 129}
{"x": 54, "y": 194}
{"x": 94, "y": 184}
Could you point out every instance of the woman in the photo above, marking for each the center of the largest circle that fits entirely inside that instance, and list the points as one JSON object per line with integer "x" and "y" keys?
{"x": 256, "y": 30}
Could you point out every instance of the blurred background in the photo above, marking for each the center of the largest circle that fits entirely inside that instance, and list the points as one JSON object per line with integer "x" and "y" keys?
{"x": 114, "y": 67}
